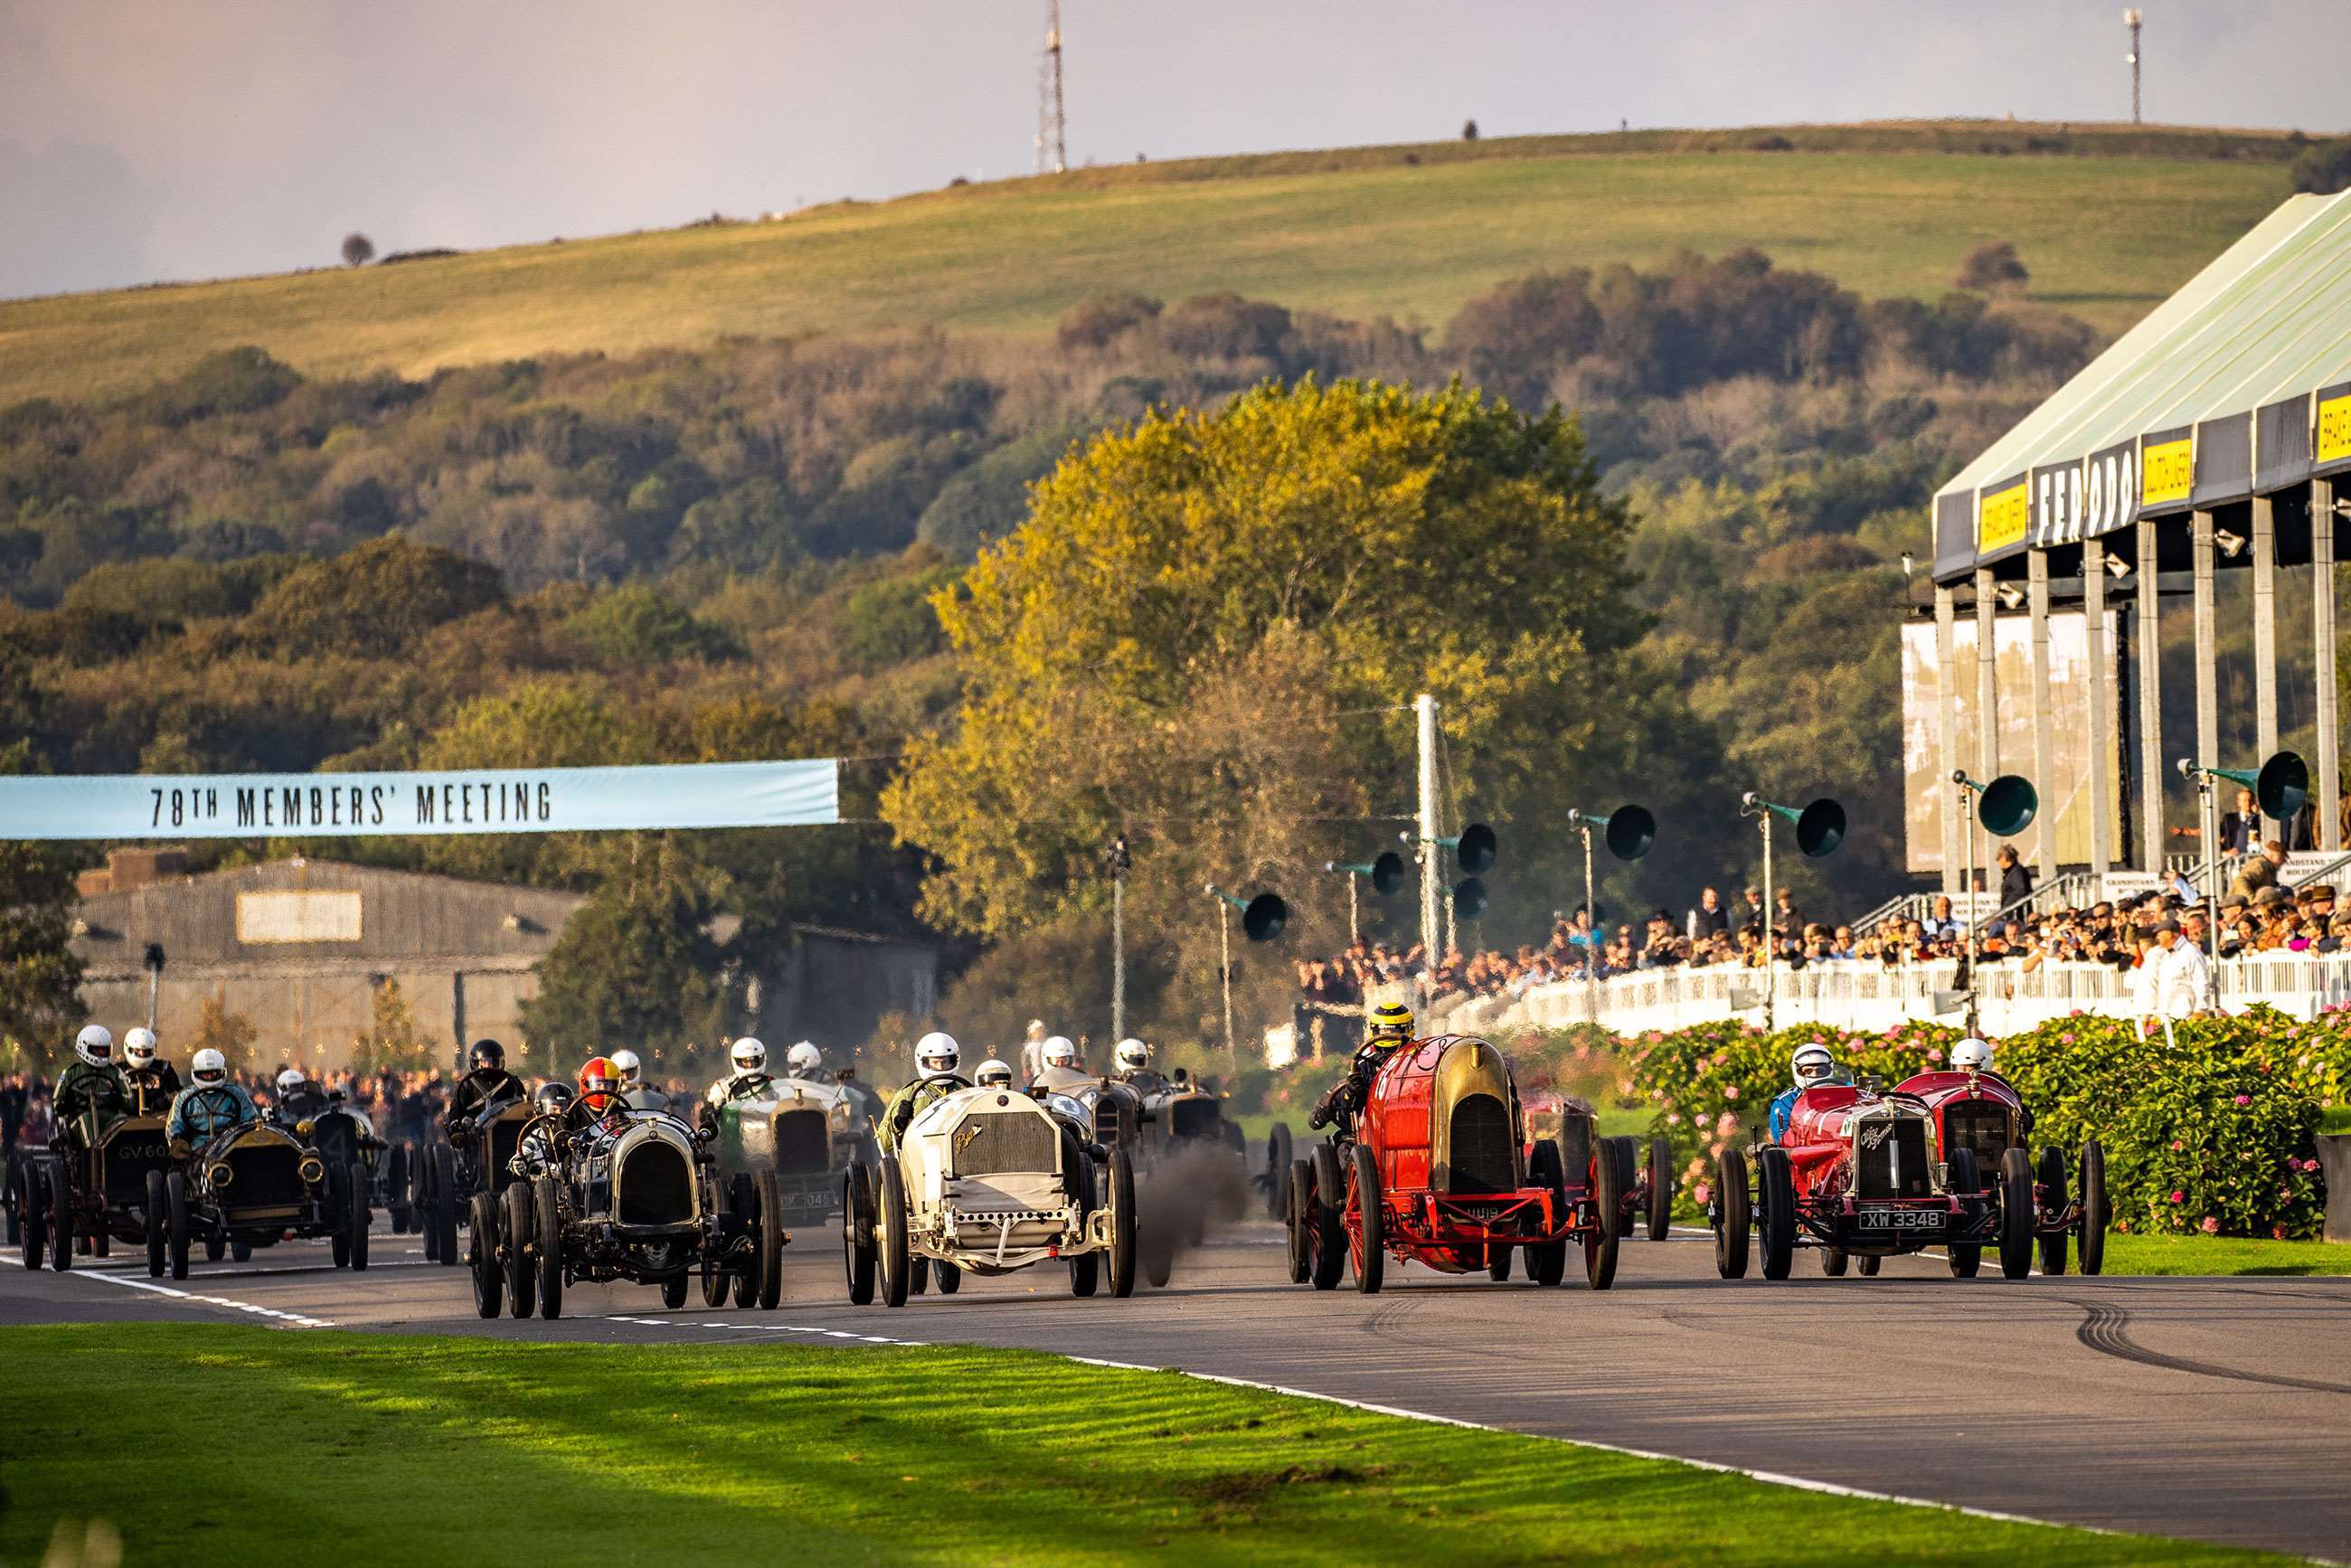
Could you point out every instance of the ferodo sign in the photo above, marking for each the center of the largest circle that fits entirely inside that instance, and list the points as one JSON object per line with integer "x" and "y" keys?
{"x": 2075, "y": 501}
{"x": 488, "y": 801}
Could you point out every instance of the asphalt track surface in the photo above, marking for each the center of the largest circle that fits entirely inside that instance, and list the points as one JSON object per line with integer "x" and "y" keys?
{"x": 2216, "y": 1409}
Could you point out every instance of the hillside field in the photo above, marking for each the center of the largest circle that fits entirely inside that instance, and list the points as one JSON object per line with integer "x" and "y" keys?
{"x": 2107, "y": 230}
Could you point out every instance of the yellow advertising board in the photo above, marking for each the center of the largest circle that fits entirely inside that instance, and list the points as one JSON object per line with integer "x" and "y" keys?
{"x": 2004, "y": 517}
{"x": 2167, "y": 471}
{"x": 2334, "y": 429}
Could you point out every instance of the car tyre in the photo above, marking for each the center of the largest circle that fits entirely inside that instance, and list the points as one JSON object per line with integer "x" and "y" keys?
{"x": 33, "y": 1228}
{"x": 1965, "y": 1182}
{"x": 420, "y": 1212}
{"x": 482, "y": 1257}
{"x": 1661, "y": 1189}
{"x": 890, "y": 1231}
{"x": 770, "y": 1250}
{"x": 673, "y": 1291}
{"x": 158, "y": 1252}
{"x": 360, "y": 1217}
{"x": 1833, "y": 1262}
{"x": 1124, "y": 1224}
{"x": 1734, "y": 1214}
{"x": 2090, "y": 1242}
{"x": 176, "y": 1203}
{"x": 1298, "y": 1183}
{"x": 219, "y": 1247}
{"x": 1367, "y": 1242}
{"x": 2052, "y": 1200}
{"x": 395, "y": 1186}
{"x": 2016, "y": 1214}
{"x": 1280, "y": 1151}
{"x": 1611, "y": 1186}
{"x": 516, "y": 1226}
{"x": 1546, "y": 1168}
{"x": 339, "y": 1245}
{"x": 1775, "y": 1216}
{"x": 1330, "y": 1217}
{"x": 1498, "y": 1264}
{"x": 1869, "y": 1266}
{"x": 444, "y": 1205}
{"x": 857, "y": 1234}
{"x": 1085, "y": 1269}
{"x": 61, "y": 1216}
{"x": 547, "y": 1210}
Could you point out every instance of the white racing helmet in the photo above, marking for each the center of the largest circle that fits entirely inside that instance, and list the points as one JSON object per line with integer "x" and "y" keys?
{"x": 1133, "y": 1055}
{"x": 1060, "y": 1050}
{"x": 937, "y": 1055}
{"x": 750, "y": 1054}
{"x": 1971, "y": 1055}
{"x": 994, "y": 1075}
{"x": 209, "y": 1069}
{"x": 289, "y": 1080}
{"x": 1811, "y": 1063}
{"x": 95, "y": 1045}
{"x": 804, "y": 1059}
{"x": 139, "y": 1046}
{"x": 632, "y": 1071}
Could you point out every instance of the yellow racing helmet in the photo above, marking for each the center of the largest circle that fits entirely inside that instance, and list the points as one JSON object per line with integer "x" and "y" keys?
{"x": 1391, "y": 1025}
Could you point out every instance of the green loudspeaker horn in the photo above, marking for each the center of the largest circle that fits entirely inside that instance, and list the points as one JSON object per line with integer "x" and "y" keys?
{"x": 1468, "y": 899}
{"x": 1262, "y": 918}
{"x": 2279, "y": 789}
{"x": 1820, "y": 827}
{"x": 1386, "y": 873}
{"x": 1629, "y": 832}
{"x": 2006, "y": 806}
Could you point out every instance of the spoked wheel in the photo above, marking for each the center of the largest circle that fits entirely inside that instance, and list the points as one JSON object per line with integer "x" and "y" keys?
{"x": 1297, "y": 1186}
{"x": 673, "y": 1292}
{"x": 32, "y": 1210}
{"x": 857, "y": 1234}
{"x": 1832, "y": 1263}
{"x": 176, "y": 1203}
{"x": 1734, "y": 1214}
{"x": 2052, "y": 1197}
{"x": 2016, "y": 1214}
{"x": 1085, "y": 1269}
{"x": 1121, "y": 1223}
{"x": 1661, "y": 1189}
{"x": 158, "y": 1234}
{"x": 1965, "y": 1182}
{"x": 1775, "y": 1217}
{"x": 716, "y": 1280}
{"x": 1327, "y": 1229}
{"x": 890, "y": 1231}
{"x": 547, "y": 1208}
{"x": 482, "y": 1257}
{"x": 1367, "y": 1237}
{"x": 1611, "y": 1184}
{"x": 517, "y": 1227}
{"x": 1277, "y": 1159}
{"x": 770, "y": 1248}
{"x": 2090, "y": 1240}
{"x": 1546, "y": 1260}
{"x": 61, "y": 1218}
{"x": 359, "y": 1216}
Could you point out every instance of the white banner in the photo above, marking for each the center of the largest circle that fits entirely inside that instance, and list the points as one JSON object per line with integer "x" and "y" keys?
{"x": 491, "y": 800}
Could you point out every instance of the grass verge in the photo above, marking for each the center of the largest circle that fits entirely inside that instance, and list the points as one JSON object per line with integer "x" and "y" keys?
{"x": 2222, "y": 1255}
{"x": 274, "y": 1446}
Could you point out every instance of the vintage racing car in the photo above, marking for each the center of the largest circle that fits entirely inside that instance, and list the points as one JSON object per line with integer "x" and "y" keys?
{"x": 253, "y": 1186}
{"x": 1441, "y": 1171}
{"x": 1981, "y": 1113}
{"x": 1855, "y": 1175}
{"x": 344, "y": 1135}
{"x": 450, "y": 1172}
{"x": 800, "y": 1130}
{"x": 990, "y": 1181}
{"x": 86, "y": 1196}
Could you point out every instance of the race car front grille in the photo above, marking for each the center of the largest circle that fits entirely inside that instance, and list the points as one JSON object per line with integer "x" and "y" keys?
{"x": 1891, "y": 1159}
{"x": 269, "y": 1176}
{"x": 1481, "y": 1158}
{"x": 803, "y": 1142}
{"x": 992, "y": 1145}
{"x": 1192, "y": 1118}
{"x": 130, "y": 1155}
{"x": 1978, "y": 1124}
{"x": 656, "y": 1187}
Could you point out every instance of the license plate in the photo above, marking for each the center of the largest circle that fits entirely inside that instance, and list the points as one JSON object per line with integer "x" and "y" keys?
{"x": 1901, "y": 1219}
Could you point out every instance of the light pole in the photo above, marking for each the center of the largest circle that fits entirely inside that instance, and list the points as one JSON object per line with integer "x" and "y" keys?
{"x": 1820, "y": 828}
{"x": 1121, "y": 860}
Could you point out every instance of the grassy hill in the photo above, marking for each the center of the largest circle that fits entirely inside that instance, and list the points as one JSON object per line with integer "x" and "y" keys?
{"x": 2109, "y": 219}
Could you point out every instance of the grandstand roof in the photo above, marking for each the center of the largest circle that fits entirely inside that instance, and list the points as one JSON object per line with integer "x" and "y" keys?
{"x": 2238, "y": 384}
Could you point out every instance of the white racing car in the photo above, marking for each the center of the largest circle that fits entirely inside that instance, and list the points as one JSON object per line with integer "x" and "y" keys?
{"x": 990, "y": 1181}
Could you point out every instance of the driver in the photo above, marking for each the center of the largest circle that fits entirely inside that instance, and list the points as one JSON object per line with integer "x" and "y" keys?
{"x": 92, "y": 1093}
{"x": 541, "y": 1143}
{"x": 747, "y": 1081}
{"x": 936, "y": 1057}
{"x": 803, "y": 1061}
{"x": 993, "y": 1074}
{"x": 1061, "y": 1074}
{"x": 153, "y": 1082}
{"x": 1391, "y": 1028}
{"x": 634, "y": 1088}
{"x": 296, "y": 1099}
{"x": 599, "y": 1094}
{"x": 1133, "y": 1058}
{"x": 210, "y": 1105}
{"x": 1973, "y": 1055}
{"x": 1811, "y": 1065}
{"x": 487, "y": 1081}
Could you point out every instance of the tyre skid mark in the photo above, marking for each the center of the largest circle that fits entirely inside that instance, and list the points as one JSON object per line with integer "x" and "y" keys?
{"x": 291, "y": 1320}
{"x": 2106, "y": 1329}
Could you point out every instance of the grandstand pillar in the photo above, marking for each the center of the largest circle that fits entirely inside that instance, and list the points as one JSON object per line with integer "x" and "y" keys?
{"x": 1947, "y": 734}
{"x": 2265, "y": 686}
{"x": 2094, "y": 631}
{"x": 2150, "y": 706}
{"x": 2044, "y": 743}
{"x": 1987, "y": 694}
{"x": 2321, "y": 622}
{"x": 2208, "y": 674}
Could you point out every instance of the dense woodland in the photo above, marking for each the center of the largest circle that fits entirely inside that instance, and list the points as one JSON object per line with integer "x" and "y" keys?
{"x": 731, "y": 551}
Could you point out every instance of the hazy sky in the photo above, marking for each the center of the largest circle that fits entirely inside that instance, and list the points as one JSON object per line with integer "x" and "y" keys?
{"x": 216, "y": 137}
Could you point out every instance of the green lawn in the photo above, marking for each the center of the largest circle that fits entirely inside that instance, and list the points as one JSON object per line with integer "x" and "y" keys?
{"x": 1359, "y": 231}
{"x": 2222, "y": 1255}
{"x": 243, "y": 1442}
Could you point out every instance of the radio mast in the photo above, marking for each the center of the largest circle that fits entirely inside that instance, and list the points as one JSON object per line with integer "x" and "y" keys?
{"x": 1052, "y": 140}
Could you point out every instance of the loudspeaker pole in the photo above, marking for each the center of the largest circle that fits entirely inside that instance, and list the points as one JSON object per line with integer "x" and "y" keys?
{"x": 1590, "y": 934}
{"x": 1431, "y": 852}
{"x": 1225, "y": 953}
{"x": 1121, "y": 859}
{"x": 1770, "y": 938}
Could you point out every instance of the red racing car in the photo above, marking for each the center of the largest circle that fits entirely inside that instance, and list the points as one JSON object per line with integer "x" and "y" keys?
{"x": 1982, "y": 1113}
{"x": 1441, "y": 1172}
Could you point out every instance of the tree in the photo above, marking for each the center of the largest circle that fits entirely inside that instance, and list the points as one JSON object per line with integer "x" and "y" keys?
{"x": 1469, "y": 130}
{"x": 2323, "y": 167}
{"x": 376, "y": 599}
{"x": 231, "y": 1034}
{"x": 635, "y": 967}
{"x": 40, "y": 978}
{"x": 1991, "y": 267}
{"x": 357, "y": 249}
{"x": 391, "y": 1041}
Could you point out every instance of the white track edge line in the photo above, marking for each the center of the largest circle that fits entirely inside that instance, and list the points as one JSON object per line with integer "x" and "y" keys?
{"x": 295, "y": 1320}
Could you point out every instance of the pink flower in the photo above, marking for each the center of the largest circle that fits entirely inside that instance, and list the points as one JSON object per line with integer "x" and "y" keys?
{"x": 2244, "y": 1099}
{"x": 2212, "y": 1226}
{"x": 1701, "y": 1195}
{"x": 2065, "y": 1040}
{"x": 1935, "y": 1054}
{"x": 2179, "y": 1197}
{"x": 1673, "y": 1118}
{"x": 2177, "y": 1146}
{"x": 1730, "y": 1091}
